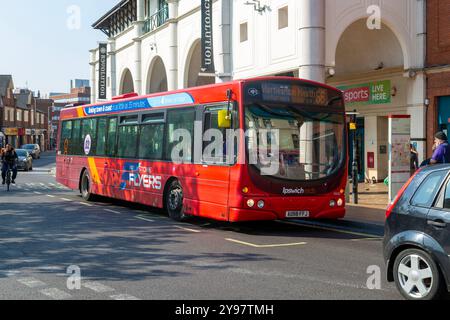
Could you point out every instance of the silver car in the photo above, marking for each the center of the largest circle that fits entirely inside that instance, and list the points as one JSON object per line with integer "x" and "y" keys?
{"x": 33, "y": 149}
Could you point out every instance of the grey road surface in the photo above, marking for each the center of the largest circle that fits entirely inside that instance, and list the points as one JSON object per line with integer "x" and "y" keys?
{"x": 124, "y": 252}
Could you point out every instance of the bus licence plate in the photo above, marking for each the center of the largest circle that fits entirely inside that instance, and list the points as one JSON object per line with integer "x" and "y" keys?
{"x": 297, "y": 214}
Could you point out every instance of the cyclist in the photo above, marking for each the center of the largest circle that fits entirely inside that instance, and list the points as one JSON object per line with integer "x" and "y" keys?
{"x": 9, "y": 158}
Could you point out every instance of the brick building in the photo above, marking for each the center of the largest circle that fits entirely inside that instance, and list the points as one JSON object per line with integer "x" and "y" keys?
{"x": 438, "y": 68}
{"x": 21, "y": 122}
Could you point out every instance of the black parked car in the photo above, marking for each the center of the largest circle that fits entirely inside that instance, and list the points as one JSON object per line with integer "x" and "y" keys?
{"x": 417, "y": 235}
{"x": 33, "y": 149}
{"x": 25, "y": 161}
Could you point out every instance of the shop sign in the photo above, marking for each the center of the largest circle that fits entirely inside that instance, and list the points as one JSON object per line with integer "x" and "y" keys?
{"x": 28, "y": 132}
{"x": 11, "y": 131}
{"x": 21, "y": 132}
{"x": 369, "y": 93}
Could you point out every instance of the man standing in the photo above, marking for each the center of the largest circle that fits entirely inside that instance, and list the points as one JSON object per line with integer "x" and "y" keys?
{"x": 442, "y": 153}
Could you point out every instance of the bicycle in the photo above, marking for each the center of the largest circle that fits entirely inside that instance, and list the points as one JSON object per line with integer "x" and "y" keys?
{"x": 8, "y": 178}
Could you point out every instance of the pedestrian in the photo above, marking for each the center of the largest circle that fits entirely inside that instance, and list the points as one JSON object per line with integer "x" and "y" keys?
{"x": 414, "y": 159}
{"x": 441, "y": 154}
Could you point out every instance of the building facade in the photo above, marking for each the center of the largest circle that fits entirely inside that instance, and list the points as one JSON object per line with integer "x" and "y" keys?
{"x": 374, "y": 52}
{"x": 438, "y": 68}
{"x": 21, "y": 121}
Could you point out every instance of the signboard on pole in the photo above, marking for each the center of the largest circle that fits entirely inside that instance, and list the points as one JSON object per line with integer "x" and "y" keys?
{"x": 207, "y": 67}
{"x": 102, "y": 70}
{"x": 399, "y": 153}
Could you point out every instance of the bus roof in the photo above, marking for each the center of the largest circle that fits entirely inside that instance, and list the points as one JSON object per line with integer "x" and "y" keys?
{"x": 180, "y": 97}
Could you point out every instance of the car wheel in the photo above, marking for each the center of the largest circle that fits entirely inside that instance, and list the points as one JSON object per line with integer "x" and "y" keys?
{"x": 174, "y": 201}
{"x": 86, "y": 187}
{"x": 417, "y": 275}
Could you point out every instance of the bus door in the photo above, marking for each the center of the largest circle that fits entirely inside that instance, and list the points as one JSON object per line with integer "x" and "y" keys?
{"x": 213, "y": 172}
{"x": 111, "y": 167}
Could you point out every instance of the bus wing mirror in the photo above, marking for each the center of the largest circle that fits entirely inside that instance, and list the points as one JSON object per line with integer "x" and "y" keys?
{"x": 224, "y": 119}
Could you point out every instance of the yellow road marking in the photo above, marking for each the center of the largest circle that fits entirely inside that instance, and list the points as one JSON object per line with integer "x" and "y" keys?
{"x": 266, "y": 245}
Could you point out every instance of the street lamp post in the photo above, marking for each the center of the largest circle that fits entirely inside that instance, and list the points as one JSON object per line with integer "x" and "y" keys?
{"x": 355, "y": 166}
{"x": 355, "y": 155}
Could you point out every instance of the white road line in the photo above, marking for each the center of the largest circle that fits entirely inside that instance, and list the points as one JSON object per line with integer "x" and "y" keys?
{"x": 10, "y": 273}
{"x": 123, "y": 297}
{"x": 145, "y": 219}
{"x": 187, "y": 229}
{"x": 50, "y": 196}
{"x": 97, "y": 287}
{"x": 55, "y": 293}
{"x": 66, "y": 199}
{"x": 36, "y": 192}
{"x": 86, "y": 204}
{"x": 32, "y": 282}
{"x": 112, "y": 211}
{"x": 267, "y": 245}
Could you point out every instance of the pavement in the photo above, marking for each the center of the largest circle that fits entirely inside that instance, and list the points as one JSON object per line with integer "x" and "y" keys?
{"x": 123, "y": 251}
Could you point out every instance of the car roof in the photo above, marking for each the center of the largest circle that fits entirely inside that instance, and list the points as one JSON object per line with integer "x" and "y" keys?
{"x": 436, "y": 167}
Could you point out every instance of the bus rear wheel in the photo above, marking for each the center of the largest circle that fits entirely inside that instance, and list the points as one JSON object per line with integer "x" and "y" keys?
{"x": 85, "y": 187}
{"x": 174, "y": 201}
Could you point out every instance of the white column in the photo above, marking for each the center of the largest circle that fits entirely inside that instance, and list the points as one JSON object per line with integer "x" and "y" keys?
{"x": 224, "y": 62}
{"x": 93, "y": 65}
{"x": 172, "y": 63}
{"x": 417, "y": 111}
{"x": 312, "y": 39}
{"x": 138, "y": 31}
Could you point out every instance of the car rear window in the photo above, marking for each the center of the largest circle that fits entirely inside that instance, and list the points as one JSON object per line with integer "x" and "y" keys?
{"x": 427, "y": 191}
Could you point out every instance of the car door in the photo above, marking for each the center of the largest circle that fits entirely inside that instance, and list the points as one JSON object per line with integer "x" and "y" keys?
{"x": 438, "y": 220}
{"x": 416, "y": 215}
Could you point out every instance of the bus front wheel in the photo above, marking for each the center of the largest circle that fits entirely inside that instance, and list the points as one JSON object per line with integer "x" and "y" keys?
{"x": 174, "y": 201}
{"x": 85, "y": 186}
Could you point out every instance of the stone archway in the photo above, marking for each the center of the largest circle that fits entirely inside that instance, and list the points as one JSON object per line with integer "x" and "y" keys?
{"x": 193, "y": 65}
{"x": 157, "y": 77}
{"x": 127, "y": 82}
{"x": 362, "y": 50}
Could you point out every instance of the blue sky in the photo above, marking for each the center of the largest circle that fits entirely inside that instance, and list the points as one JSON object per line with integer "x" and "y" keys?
{"x": 37, "y": 46}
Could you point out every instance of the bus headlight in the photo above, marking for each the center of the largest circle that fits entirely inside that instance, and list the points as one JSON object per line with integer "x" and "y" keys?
{"x": 332, "y": 203}
{"x": 340, "y": 203}
{"x": 261, "y": 204}
{"x": 251, "y": 203}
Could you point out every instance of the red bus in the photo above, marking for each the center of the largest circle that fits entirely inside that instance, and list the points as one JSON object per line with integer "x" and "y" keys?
{"x": 124, "y": 149}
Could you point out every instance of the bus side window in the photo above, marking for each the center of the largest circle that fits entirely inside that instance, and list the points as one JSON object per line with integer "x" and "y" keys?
{"x": 66, "y": 137}
{"x": 89, "y": 127}
{"x": 101, "y": 134}
{"x": 211, "y": 152}
{"x": 151, "y": 142}
{"x": 128, "y": 139}
{"x": 76, "y": 147}
{"x": 111, "y": 142}
{"x": 179, "y": 119}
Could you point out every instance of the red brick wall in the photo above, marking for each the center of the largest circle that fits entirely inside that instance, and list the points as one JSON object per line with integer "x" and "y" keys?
{"x": 438, "y": 32}
{"x": 438, "y": 54}
{"x": 438, "y": 86}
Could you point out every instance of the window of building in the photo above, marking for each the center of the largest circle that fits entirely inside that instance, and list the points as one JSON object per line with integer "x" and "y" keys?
{"x": 25, "y": 116}
{"x": 11, "y": 115}
{"x": 283, "y": 17}
{"x": 180, "y": 119}
{"x": 244, "y": 32}
{"x": 6, "y": 114}
{"x": 19, "y": 115}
